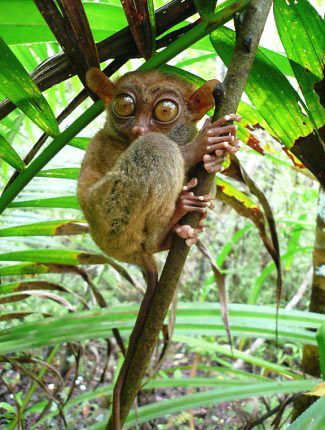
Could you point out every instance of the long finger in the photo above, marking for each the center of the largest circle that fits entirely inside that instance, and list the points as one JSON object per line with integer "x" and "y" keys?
{"x": 219, "y": 131}
{"x": 225, "y": 119}
{"x": 191, "y": 197}
{"x": 196, "y": 204}
{"x": 218, "y": 139}
{"x": 225, "y": 146}
{"x": 191, "y": 184}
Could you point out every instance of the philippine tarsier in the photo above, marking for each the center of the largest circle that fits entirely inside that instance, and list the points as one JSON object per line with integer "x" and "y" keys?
{"x": 136, "y": 178}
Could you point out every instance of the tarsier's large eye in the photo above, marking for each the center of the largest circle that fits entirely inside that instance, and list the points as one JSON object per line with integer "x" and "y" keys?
{"x": 165, "y": 110}
{"x": 124, "y": 105}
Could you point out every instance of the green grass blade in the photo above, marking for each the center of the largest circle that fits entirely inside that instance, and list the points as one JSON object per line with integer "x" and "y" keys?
{"x": 152, "y": 411}
{"x": 56, "y": 256}
{"x": 47, "y": 228}
{"x": 64, "y": 173}
{"x": 210, "y": 397}
{"x": 80, "y": 142}
{"x": 320, "y": 336}
{"x": 69, "y": 202}
{"x": 201, "y": 319}
{"x": 312, "y": 419}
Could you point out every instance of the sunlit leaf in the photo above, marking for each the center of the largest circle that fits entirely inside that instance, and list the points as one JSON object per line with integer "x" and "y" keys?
{"x": 16, "y": 84}
{"x": 48, "y": 228}
{"x": 57, "y": 256}
{"x": 205, "y": 7}
{"x": 312, "y": 419}
{"x": 302, "y": 32}
{"x": 80, "y": 142}
{"x": 64, "y": 173}
{"x": 227, "y": 390}
{"x": 54, "y": 202}
{"x": 320, "y": 336}
{"x": 21, "y": 22}
{"x": 8, "y": 154}
{"x": 203, "y": 319}
{"x": 269, "y": 91}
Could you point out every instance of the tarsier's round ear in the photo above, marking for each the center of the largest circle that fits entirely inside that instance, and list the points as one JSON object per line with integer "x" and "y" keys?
{"x": 100, "y": 84}
{"x": 201, "y": 101}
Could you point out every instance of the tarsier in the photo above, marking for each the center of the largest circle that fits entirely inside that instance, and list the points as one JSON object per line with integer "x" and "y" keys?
{"x": 136, "y": 178}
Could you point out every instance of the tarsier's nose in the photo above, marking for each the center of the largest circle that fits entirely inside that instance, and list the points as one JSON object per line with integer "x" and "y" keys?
{"x": 138, "y": 130}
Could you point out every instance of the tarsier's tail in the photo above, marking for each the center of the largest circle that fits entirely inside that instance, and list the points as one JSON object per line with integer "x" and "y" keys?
{"x": 152, "y": 281}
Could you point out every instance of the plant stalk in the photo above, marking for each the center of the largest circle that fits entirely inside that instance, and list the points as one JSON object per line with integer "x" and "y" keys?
{"x": 243, "y": 57}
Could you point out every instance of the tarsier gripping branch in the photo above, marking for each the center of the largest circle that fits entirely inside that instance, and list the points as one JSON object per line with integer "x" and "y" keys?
{"x": 136, "y": 179}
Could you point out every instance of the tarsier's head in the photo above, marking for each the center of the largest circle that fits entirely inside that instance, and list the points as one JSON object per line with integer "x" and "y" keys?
{"x": 152, "y": 101}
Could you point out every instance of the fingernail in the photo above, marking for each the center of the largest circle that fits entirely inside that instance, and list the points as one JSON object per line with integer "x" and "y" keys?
{"x": 227, "y": 117}
{"x": 201, "y": 198}
{"x": 208, "y": 148}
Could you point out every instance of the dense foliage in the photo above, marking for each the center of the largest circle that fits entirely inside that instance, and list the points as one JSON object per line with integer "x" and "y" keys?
{"x": 61, "y": 300}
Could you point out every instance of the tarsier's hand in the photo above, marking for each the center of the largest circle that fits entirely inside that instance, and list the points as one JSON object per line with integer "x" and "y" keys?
{"x": 188, "y": 202}
{"x": 215, "y": 141}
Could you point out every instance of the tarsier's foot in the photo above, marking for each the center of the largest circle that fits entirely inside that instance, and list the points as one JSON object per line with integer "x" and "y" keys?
{"x": 190, "y": 234}
{"x": 188, "y": 202}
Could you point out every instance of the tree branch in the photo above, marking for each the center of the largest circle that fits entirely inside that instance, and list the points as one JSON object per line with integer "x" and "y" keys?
{"x": 248, "y": 36}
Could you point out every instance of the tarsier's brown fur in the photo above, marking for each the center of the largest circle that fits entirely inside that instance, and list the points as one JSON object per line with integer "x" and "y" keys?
{"x": 128, "y": 192}
{"x": 131, "y": 185}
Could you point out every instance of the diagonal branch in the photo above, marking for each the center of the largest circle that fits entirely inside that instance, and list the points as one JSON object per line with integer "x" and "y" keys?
{"x": 248, "y": 36}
